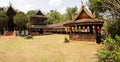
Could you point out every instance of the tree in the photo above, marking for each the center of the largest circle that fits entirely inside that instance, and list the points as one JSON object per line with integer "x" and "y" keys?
{"x": 30, "y": 13}
{"x": 113, "y": 26}
{"x": 111, "y": 50}
{"x": 54, "y": 17}
{"x": 98, "y": 8}
{"x": 3, "y": 20}
{"x": 113, "y": 8}
{"x": 70, "y": 13}
{"x": 20, "y": 20}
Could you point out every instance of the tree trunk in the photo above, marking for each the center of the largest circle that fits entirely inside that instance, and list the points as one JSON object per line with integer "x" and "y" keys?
{"x": 24, "y": 32}
{"x": 20, "y": 31}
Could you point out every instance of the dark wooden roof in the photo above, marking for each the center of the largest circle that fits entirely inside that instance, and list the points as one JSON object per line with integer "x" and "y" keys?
{"x": 84, "y": 22}
{"x": 84, "y": 13}
{"x": 38, "y": 16}
{"x": 39, "y": 13}
{"x": 10, "y": 11}
{"x": 39, "y": 26}
{"x": 84, "y": 17}
{"x": 61, "y": 24}
{"x": 56, "y": 25}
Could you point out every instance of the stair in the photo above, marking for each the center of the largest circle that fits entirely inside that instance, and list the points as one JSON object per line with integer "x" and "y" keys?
{"x": 9, "y": 33}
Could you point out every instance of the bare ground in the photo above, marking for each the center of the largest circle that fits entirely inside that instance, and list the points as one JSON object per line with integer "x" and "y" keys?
{"x": 46, "y": 48}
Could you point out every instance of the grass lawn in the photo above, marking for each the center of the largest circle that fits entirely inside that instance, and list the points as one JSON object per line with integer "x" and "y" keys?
{"x": 47, "y": 48}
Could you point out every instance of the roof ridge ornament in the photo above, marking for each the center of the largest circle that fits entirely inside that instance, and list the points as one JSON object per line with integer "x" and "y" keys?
{"x": 82, "y": 2}
{"x": 10, "y": 3}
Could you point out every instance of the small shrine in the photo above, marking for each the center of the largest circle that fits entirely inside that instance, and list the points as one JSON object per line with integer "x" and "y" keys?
{"x": 38, "y": 24}
{"x": 85, "y": 27}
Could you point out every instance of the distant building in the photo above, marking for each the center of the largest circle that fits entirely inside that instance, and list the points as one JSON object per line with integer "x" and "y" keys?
{"x": 38, "y": 24}
{"x": 58, "y": 28}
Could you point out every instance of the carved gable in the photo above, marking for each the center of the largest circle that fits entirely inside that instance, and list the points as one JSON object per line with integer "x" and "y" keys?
{"x": 84, "y": 14}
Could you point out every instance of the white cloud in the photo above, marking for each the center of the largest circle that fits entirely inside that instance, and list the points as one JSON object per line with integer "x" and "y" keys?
{"x": 28, "y": 7}
{"x": 55, "y": 2}
{"x": 43, "y": 5}
{"x": 62, "y": 10}
{"x": 21, "y": 5}
{"x": 3, "y": 3}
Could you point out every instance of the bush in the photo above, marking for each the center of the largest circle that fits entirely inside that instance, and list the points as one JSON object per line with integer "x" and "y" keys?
{"x": 29, "y": 37}
{"x": 111, "y": 50}
{"x": 66, "y": 40}
{"x": 113, "y": 27}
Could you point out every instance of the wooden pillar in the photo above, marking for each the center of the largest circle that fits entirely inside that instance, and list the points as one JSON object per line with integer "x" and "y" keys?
{"x": 29, "y": 31}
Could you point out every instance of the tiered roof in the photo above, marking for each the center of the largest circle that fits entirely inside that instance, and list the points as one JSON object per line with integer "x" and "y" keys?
{"x": 84, "y": 17}
{"x": 39, "y": 20}
{"x": 39, "y": 14}
{"x": 10, "y": 10}
{"x": 84, "y": 13}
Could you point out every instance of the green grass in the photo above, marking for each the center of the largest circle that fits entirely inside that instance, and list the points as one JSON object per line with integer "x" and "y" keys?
{"x": 47, "y": 48}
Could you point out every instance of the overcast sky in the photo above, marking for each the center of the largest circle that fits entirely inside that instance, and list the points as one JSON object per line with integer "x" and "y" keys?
{"x": 43, "y": 5}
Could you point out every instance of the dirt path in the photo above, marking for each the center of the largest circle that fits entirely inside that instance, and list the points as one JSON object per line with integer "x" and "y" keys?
{"x": 47, "y": 48}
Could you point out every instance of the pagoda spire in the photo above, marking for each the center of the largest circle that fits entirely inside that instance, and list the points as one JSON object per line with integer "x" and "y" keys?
{"x": 82, "y": 2}
{"x": 10, "y": 3}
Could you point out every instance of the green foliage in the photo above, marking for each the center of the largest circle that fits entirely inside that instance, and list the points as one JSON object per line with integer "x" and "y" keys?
{"x": 20, "y": 20}
{"x": 70, "y": 13}
{"x": 111, "y": 50}
{"x": 28, "y": 24}
{"x": 30, "y": 13}
{"x": 113, "y": 23}
{"x": 3, "y": 19}
{"x": 66, "y": 40}
{"x": 29, "y": 37}
{"x": 54, "y": 17}
{"x": 98, "y": 7}
{"x": 113, "y": 26}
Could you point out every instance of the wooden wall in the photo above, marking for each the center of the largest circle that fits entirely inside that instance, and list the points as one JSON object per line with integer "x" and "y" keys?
{"x": 83, "y": 37}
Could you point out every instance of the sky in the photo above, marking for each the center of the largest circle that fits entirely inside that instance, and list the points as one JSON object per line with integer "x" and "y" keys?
{"x": 43, "y": 5}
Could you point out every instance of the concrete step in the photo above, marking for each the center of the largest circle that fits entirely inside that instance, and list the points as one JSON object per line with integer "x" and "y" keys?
{"x": 9, "y": 33}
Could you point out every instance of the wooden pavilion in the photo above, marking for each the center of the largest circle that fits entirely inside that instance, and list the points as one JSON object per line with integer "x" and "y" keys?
{"x": 38, "y": 24}
{"x": 85, "y": 27}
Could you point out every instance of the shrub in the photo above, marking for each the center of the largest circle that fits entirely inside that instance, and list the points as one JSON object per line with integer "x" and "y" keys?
{"x": 29, "y": 37}
{"x": 111, "y": 50}
{"x": 66, "y": 40}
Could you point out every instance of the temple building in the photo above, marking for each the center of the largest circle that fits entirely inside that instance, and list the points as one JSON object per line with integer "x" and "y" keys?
{"x": 84, "y": 27}
{"x": 38, "y": 24}
{"x": 9, "y": 29}
{"x": 10, "y": 13}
